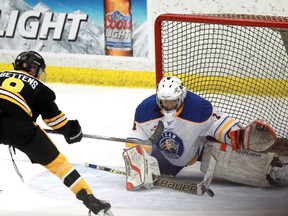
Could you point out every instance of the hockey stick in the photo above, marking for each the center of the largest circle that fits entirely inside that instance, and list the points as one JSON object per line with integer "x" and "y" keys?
{"x": 107, "y": 169}
{"x": 193, "y": 188}
{"x": 149, "y": 142}
{"x": 172, "y": 183}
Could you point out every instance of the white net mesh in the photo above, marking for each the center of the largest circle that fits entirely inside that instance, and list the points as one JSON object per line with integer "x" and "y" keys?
{"x": 243, "y": 70}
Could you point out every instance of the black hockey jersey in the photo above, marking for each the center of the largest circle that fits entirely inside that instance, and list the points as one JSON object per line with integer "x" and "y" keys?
{"x": 26, "y": 97}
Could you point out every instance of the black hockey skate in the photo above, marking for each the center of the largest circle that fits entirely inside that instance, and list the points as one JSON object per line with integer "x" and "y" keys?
{"x": 93, "y": 204}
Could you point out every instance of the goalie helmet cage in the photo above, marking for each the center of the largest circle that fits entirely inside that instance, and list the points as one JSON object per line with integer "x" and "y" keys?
{"x": 237, "y": 62}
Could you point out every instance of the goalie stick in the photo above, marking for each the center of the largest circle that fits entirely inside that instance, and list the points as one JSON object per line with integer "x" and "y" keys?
{"x": 149, "y": 142}
{"x": 172, "y": 183}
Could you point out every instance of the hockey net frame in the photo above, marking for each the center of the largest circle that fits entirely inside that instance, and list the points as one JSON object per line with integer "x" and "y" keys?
{"x": 193, "y": 48}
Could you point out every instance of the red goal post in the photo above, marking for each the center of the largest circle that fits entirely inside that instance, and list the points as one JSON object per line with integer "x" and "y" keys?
{"x": 238, "y": 62}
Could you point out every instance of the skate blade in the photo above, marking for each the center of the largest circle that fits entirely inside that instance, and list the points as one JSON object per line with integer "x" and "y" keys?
{"x": 107, "y": 213}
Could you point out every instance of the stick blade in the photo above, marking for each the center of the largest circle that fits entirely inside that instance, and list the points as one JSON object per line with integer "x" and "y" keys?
{"x": 203, "y": 187}
{"x": 158, "y": 132}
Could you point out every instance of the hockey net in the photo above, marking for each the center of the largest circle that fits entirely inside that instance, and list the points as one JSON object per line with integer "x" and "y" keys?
{"x": 238, "y": 62}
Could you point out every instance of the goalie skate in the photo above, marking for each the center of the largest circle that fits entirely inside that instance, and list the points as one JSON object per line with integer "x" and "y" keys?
{"x": 279, "y": 172}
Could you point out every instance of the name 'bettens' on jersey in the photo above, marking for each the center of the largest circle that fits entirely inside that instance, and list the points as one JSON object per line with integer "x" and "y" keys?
{"x": 24, "y": 77}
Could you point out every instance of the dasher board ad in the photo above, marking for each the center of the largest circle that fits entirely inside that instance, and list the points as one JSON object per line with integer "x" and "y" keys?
{"x": 93, "y": 27}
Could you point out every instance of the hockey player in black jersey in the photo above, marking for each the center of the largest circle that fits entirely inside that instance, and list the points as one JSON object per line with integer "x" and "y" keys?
{"x": 23, "y": 97}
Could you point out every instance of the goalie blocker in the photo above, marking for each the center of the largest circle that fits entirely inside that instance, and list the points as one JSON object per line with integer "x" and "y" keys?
{"x": 141, "y": 168}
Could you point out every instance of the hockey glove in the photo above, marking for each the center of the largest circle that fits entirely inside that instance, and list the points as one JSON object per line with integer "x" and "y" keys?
{"x": 257, "y": 136}
{"x": 71, "y": 131}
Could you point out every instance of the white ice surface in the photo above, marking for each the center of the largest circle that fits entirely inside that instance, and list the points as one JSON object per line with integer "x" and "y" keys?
{"x": 109, "y": 111}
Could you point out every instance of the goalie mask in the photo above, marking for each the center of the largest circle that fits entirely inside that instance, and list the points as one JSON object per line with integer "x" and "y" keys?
{"x": 31, "y": 62}
{"x": 170, "y": 94}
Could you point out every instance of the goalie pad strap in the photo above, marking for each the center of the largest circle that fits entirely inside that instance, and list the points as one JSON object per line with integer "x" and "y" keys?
{"x": 236, "y": 139}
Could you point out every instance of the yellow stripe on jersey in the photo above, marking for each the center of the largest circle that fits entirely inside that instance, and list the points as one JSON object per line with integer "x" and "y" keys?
{"x": 15, "y": 98}
{"x": 57, "y": 121}
{"x": 224, "y": 128}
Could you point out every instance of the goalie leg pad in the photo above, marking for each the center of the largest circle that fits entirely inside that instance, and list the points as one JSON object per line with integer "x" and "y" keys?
{"x": 141, "y": 168}
{"x": 240, "y": 166}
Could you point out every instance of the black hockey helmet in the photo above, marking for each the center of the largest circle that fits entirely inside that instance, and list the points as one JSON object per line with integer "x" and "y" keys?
{"x": 31, "y": 62}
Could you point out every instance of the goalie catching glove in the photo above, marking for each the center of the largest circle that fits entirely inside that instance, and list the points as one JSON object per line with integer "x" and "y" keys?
{"x": 257, "y": 136}
{"x": 141, "y": 168}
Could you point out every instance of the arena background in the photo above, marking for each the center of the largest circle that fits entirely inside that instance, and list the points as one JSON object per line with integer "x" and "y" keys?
{"x": 137, "y": 71}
